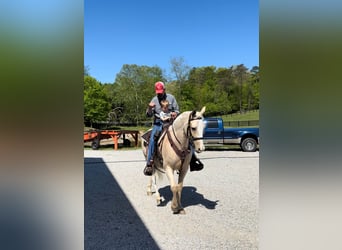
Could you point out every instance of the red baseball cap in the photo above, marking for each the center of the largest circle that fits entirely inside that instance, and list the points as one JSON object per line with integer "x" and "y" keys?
{"x": 159, "y": 87}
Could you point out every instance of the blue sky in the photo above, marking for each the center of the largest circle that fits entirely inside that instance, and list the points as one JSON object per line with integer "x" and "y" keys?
{"x": 217, "y": 33}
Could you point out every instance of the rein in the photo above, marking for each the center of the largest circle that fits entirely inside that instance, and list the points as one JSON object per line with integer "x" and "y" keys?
{"x": 181, "y": 153}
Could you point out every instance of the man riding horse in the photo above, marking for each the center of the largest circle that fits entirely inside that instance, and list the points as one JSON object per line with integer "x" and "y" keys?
{"x": 154, "y": 109}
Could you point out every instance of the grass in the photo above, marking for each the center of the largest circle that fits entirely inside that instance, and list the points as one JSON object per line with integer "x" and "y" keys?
{"x": 247, "y": 119}
{"x": 248, "y": 116}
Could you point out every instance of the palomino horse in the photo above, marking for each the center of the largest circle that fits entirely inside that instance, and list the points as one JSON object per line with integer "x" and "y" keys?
{"x": 173, "y": 153}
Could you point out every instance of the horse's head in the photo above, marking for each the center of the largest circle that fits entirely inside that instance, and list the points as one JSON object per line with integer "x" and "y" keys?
{"x": 196, "y": 127}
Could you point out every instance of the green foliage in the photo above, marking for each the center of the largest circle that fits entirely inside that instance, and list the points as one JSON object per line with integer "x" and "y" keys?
{"x": 96, "y": 102}
{"x": 133, "y": 89}
{"x": 222, "y": 90}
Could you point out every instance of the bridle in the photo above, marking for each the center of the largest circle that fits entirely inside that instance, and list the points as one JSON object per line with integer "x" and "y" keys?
{"x": 189, "y": 134}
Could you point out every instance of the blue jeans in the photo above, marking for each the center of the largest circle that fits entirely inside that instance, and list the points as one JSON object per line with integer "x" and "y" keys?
{"x": 150, "y": 151}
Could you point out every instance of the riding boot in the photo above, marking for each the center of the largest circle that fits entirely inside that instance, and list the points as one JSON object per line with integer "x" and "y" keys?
{"x": 148, "y": 170}
{"x": 195, "y": 163}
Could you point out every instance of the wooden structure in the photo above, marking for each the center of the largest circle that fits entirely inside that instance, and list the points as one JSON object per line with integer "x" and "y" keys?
{"x": 95, "y": 136}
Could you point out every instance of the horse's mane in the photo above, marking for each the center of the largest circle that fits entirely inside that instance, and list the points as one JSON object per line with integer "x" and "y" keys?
{"x": 182, "y": 119}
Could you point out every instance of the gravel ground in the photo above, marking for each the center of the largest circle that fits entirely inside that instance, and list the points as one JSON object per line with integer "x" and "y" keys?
{"x": 221, "y": 203}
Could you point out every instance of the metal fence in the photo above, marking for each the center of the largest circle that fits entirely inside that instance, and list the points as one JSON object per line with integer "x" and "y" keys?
{"x": 106, "y": 125}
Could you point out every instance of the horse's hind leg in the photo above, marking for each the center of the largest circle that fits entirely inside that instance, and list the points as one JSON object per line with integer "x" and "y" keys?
{"x": 149, "y": 186}
{"x": 153, "y": 182}
{"x": 159, "y": 198}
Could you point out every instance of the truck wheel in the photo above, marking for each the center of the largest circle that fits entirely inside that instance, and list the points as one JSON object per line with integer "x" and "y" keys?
{"x": 249, "y": 145}
{"x": 95, "y": 145}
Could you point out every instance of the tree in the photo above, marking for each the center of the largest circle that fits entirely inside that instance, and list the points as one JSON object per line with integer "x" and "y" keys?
{"x": 86, "y": 71}
{"x": 96, "y": 102}
{"x": 240, "y": 72}
{"x": 225, "y": 79}
{"x": 134, "y": 88}
{"x": 222, "y": 90}
{"x": 255, "y": 87}
{"x": 181, "y": 73}
{"x": 200, "y": 89}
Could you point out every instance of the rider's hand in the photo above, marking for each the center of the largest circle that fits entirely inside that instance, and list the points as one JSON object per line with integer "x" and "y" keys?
{"x": 151, "y": 105}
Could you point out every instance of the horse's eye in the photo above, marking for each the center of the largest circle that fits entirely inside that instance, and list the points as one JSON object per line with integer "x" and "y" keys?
{"x": 193, "y": 129}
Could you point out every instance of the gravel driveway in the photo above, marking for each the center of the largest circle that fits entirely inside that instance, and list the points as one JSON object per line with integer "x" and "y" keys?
{"x": 221, "y": 203}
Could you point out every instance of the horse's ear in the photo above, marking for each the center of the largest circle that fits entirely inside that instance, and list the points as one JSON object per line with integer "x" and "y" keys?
{"x": 202, "y": 110}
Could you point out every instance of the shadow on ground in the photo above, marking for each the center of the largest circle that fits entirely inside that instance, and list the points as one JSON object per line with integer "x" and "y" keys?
{"x": 110, "y": 221}
{"x": 189, "y": 197}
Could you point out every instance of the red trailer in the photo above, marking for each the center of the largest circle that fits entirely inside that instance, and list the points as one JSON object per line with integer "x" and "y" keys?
{"x": 95, "y": 136}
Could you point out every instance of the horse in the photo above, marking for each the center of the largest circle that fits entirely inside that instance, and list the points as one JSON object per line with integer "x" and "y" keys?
{"x": 174, "y": 150}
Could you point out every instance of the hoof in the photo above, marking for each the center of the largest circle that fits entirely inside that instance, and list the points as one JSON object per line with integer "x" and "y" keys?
{"x": 149, "y": 193}
{"x": 160, "y": 201}
{"x": 179, "y": 211}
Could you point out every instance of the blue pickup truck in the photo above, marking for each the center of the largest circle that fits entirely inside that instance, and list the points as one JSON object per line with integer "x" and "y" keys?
{"x": 215, "y": 133}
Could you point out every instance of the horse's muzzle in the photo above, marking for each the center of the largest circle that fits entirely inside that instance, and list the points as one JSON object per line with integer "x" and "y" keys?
{"x": 199, "y": 149}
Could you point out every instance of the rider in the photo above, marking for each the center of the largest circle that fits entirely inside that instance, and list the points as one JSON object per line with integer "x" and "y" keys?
{"x": 165, "y": 114}
{"x": 154, "y": 109}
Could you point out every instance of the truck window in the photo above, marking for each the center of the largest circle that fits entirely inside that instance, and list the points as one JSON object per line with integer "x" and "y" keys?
{"x": 212, "y": 124}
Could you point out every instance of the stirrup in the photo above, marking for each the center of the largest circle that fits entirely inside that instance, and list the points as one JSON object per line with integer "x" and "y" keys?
{"x": 195, "y": 164}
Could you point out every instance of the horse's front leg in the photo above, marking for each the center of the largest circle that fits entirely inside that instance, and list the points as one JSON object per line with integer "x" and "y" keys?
{"x": 180, "y": 188}
{"x": 175, "y": 204}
